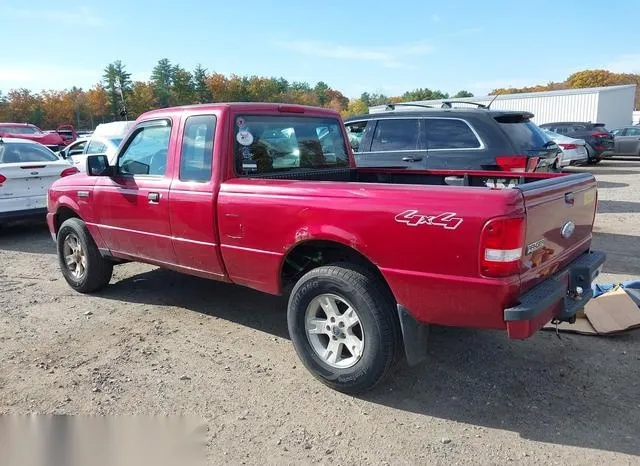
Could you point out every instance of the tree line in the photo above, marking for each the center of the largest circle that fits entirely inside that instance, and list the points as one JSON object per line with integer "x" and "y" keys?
{"x": 579, "y": 80}
{"x": 171, "y": 84}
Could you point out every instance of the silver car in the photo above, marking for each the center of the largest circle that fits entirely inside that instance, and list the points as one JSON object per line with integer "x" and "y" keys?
{"x": 626, "y": 140}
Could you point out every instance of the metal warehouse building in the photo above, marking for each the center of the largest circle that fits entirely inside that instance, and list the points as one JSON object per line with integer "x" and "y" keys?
{"x": 611, "y": 105}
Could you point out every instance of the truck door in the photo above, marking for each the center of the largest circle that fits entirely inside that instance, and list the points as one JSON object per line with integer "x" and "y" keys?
{"x": 192, "y": 199}
{"x": 133, "y": 205}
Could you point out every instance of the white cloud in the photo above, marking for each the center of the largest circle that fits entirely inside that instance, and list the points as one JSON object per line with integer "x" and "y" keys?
{"x": 627, "y": 63}
{"x": 82, "y": 15}
{"x": 387, "y": 56}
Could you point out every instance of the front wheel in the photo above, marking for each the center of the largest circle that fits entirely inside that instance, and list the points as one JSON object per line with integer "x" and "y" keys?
{"x": 81, "y": 263}
{"x": 344, "y": 327}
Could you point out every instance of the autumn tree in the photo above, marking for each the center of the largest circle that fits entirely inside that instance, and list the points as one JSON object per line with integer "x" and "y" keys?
{"x": 98, "y": 104}
{"x": 142, "y": 98}
{"x": 355, "y": 107}
{"x": 183, "y": 88}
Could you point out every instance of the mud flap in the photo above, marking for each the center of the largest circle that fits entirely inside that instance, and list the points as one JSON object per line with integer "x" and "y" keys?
{"x": 414, "y": 335}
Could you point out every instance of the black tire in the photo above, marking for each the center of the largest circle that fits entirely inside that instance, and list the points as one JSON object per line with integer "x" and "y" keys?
{"x": 375, "y": 308}
{"x": 98, "y": 270}
{"x": 592, "y": 159}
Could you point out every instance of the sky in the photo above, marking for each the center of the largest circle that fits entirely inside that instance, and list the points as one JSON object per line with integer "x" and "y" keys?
{"x": 376, "y": 46}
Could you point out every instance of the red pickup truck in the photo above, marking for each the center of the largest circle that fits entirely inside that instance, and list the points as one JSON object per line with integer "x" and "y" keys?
{"x": 268, "y": 196}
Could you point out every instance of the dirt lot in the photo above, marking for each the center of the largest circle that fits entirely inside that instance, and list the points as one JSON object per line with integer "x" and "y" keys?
{"x": 158, "y": 342}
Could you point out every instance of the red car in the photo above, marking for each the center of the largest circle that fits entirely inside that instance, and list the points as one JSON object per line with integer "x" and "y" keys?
{"x": 54, "y": 140}
{"x": 267, "y": 196}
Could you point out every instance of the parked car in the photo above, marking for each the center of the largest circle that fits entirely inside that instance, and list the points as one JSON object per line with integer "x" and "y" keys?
{"x": 52, "y": 140}
{"x": 27, "y": 169}
{"x": 626, "y": 140}
{"x": 573, "y": 150}
{"x": 369, "y": 257}
{"x": 599, "y": 141}
{"x": 77, "y": 152}
{"x": 67, "y": 133}
{"x": 451, "y": 138}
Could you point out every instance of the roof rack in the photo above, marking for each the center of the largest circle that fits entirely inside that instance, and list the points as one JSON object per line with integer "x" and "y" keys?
{"x": 393, "y": 106}
{"x": 448, "y": 103}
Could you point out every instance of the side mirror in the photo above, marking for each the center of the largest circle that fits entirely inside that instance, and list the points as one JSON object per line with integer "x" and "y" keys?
{"x": 98, "y": 165}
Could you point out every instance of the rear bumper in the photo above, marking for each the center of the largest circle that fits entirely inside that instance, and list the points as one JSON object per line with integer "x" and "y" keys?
{"x": 559, "y": 297}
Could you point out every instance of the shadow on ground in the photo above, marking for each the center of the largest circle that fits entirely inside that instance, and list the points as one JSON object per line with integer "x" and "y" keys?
{"x": 623, "y": 252}
{"x": 617, "y": 207}
{"x": 611, "y": 185}
{"x": 570, "y": 391}
{"x": 31, "y": 237}
{"x": 574, "y": 391}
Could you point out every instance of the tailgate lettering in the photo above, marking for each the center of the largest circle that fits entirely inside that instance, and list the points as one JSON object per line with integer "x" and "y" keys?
{"x": 412, "y": 218}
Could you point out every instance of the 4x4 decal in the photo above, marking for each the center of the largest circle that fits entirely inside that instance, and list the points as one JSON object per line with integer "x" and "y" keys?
{"x": 412, "y": 218}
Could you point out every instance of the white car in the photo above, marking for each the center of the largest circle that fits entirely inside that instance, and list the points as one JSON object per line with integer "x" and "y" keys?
{"x": 574, "y": 151}
{"x": 27, "y": 170}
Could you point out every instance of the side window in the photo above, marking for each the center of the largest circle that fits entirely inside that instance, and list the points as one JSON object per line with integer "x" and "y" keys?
{"x": 632, "y": 132}
{"x": 96, "y": 147}
{"x": 618, "y": 132}
{"x": 356, "y": 132}
{"x": 443, "y": 133}
{"x": 197, "y": 148}
{"x": 146, "y": 151}
{"x": 396, "y": 134}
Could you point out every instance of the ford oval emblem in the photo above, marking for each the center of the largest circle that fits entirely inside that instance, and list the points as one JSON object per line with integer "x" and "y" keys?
{"x": 567, "y": 229}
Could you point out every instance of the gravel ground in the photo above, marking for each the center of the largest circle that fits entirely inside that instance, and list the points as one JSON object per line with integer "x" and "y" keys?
{"x": 156, "y": 342}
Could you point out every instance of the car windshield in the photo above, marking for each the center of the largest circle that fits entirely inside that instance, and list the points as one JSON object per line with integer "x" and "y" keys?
{"x": 18, "y": 152}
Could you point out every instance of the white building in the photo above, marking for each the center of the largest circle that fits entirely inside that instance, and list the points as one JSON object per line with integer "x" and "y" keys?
{"x": 611, "y": 105}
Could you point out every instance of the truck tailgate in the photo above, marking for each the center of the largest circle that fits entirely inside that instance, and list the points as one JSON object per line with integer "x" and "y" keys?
{"x": 560, "y": 213}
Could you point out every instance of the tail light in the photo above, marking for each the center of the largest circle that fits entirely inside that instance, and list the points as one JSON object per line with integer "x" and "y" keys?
{"x": 568, "y": 146}
{"x": 2, "y": 179}
{"x": 517, "y": 163}
{"x": 598, "y": 134}
{"x": 501, "y": 245}
{"x": 69, "y": 171}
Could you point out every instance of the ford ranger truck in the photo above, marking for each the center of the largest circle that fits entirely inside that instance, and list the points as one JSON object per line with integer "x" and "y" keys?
{"x": 268, "y": 196}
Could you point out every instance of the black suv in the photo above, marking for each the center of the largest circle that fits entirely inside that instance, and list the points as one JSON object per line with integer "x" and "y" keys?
{"x": 599, "y": 140}
{"x": 451, "y": 138}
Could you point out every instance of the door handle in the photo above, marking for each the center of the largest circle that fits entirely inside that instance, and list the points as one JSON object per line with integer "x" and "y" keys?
{"x": 154, "y": 198}
{"x": 411, "y": 159}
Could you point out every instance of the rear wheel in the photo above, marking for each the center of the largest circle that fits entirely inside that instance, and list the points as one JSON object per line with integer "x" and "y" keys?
{"x": 344, "y": 327}
{"x": 591, "y": 154}
{"x": 81, "y": 263}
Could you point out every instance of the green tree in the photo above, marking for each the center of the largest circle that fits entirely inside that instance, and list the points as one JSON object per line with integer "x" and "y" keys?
{"x": 162, "y": 81}
{"x": 115, "y": 74}
{"x": 365, "y": 98}
{"x": 202, "y": 90}
{"x": 321, "y": 91}
{"x": 183, "y": 89}
{"x": 462, "y": 94}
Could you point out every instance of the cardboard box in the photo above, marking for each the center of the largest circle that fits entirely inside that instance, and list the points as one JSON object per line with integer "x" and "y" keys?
{"x": 610, "y": 313}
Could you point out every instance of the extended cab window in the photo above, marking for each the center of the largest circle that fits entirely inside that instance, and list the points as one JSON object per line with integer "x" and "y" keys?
{"x": 396, "y": 134}
{"x": 445, "y": 133}
{"x": 267, "y": 144}
{"x": 146, "y": 151}
{"x": 197, "y": 148}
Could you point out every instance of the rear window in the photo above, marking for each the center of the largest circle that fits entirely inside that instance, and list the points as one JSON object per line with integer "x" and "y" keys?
{"x": 600, "y": 127}
{"x": 524, "y": 134}
{"x": 268, "y": 144}
{"x": 22, "y": 152}
{"x": 445, "y": 133}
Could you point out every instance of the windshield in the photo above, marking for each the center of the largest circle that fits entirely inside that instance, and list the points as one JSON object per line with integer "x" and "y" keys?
{"x": 267, "y": 144}
{"x": 18, "y": 152}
